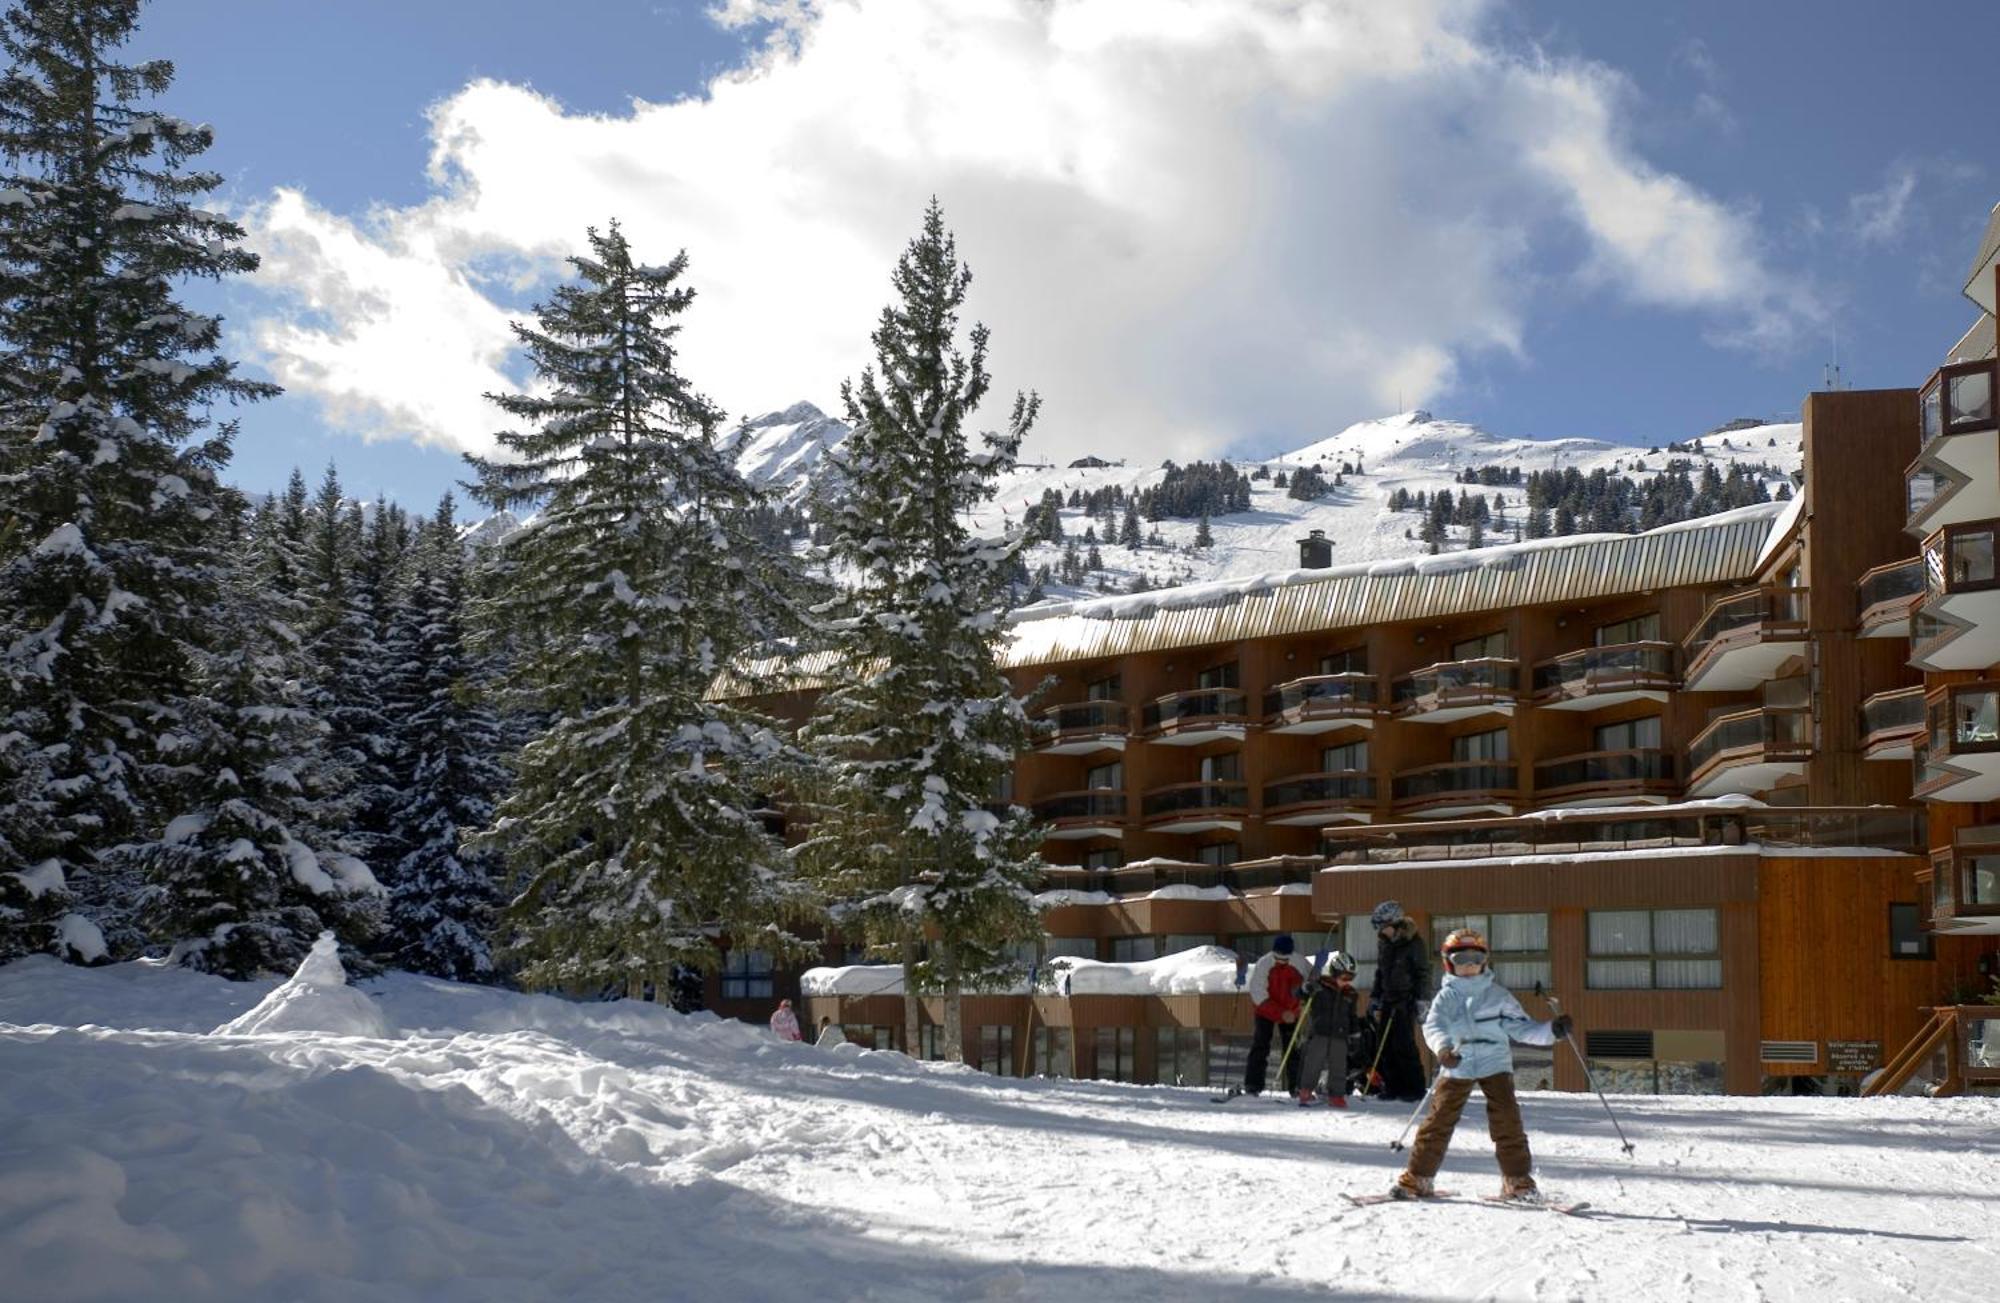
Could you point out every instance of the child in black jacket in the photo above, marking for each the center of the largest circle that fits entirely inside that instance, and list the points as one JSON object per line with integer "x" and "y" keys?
{"x": 1335, "y": 1012}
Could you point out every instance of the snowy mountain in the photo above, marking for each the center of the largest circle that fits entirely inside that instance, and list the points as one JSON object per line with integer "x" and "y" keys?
{"x": 782, "y": 450}
{"x": 502, "y": 1148}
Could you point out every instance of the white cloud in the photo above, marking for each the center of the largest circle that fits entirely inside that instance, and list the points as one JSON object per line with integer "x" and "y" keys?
{"x": 1222, "y": 216}
{"x": 1880, "y": 216}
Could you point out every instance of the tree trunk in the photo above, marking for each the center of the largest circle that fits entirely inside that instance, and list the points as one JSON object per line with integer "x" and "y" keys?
{"x": 913, "y": 1021}
{"x": 954, "y": 1026}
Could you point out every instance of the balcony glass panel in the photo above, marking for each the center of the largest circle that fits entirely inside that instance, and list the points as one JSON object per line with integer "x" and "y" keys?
{"x": 1979, "y": 881}
{"x": 1968, "y": 398}
{"x": 1922, "y": 488}
{"x": 1328, "y": 692}
{"x": 1782, "y": 730}
{"x": 1893, "y": 712}
{"x": 1443, "y": 780}
{"x": 1453, "y": 677}
{"x": 1207, "y": 704}
{"x": 1742, "y": 610}
{"x": 1196, "y": 796}
{"x": 1961, "y": 558}
{"x": 1605, "y": 767}
{"x": 1635, "y": 660}
{"x": 1108, "y": 806}
{"x": 1905, "y": 579}
{"x": 1309, "y": 788}
{"x": 1930, "y": 412}
{"x": 1087, "y": 717}
{"x": 1975, "y": 720}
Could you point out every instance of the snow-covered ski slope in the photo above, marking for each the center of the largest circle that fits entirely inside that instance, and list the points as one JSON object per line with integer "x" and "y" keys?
{"x": 496, "y": 1147}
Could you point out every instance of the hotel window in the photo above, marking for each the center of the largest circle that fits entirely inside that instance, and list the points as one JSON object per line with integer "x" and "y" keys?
{"x": 1105, "y": 778}
{"x": 1217, "y": 676}
{"x": 1107, "y": 689}
{"x": 1487, "y": 644}
{"x": 1134, "y": 950}
{"x": 930, "y": 1039}
{"x": 1340, "y": 759}
{"x": 1175, "y": 942}
{"x": 1073, "y": 947}
{"x": 746, "y": 975}
{"x": 1180, "y": 1056}
{"x": 1219, "y": 854}
{"x": 1660, "y": 949}
{"x": 1640, "y": 628}
{"x": 1907, "y": 938}
{"x": 1115, "y": 1053}
{"x": 1629, "y": 735}
{"x": 1225, "y": 768}
{"x": 1052, "y": 1052}
{"x": 1518, "y": 945}
{"x": 1481, "y": 746}
{"x": 1111, "y": 859}
{"x": 1352, "y": 661}
{"x": 1359, "y": 939}
{"x": 884, "y": 1038}
{"x": 996, "y": 1050}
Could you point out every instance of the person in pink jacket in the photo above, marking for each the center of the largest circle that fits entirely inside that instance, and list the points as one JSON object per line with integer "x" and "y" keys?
{"x": 785, "y": 1022}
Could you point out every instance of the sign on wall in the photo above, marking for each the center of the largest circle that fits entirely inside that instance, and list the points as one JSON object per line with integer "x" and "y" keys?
{"x": 1853, "y": 1056}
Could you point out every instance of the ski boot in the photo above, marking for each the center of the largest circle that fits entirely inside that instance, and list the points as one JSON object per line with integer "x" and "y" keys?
{"x": 1520, "y": 1189}
{"x": 1410, "y": 1186}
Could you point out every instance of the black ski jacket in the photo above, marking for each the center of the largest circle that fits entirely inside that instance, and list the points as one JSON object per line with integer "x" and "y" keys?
{"x": 1334, "y": 1012}
{"x": 1402, "y": 969}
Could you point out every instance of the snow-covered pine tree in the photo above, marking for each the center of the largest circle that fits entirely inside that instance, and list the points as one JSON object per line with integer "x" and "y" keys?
{"x": 442, "y": 899}
{"x": 255, "y": 864}
{"x": 921, "y": 728}
{"x": 107, "y": 458}
{"x": 1203, "y": 536}
{"x": 633, "y": 829}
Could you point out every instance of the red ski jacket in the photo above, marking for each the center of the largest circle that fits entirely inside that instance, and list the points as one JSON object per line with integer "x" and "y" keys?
{"x": 1285, "y": 980}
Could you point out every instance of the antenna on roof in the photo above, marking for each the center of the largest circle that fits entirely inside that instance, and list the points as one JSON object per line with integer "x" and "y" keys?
{"x": 1830, "y": 377}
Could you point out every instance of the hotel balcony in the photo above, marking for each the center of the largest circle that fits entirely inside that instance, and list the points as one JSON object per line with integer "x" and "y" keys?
{"x": 1887, "y": 596}
{"x": 1082, "y": 728}
{"x": 1314, "y": 800}
{"x": 1956, "y": 476}
{"x": 1322, "y": 703}
{"x": 1637, "y": 777}
{"x": 1957, "y": 626}
{"x": 1965, "y": 890}
{"x": 1196, "y": 807}
{"x": 1744, "y": 639}
{"x": 1958, "y": 757}
{"x": 1185, "y": 719}
{"x": 1459, "y": 690}
{"x": 1749, "y": 751}
{"x": 1891, "y": 723}
{"x": 1458, "y": 788}
{"x": 1606, "y": 676}
{"x": 1076, "y": 816}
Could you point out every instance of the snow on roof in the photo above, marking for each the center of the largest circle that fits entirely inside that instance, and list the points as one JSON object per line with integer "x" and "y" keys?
{"x": 1204, "y": 970}
{"x": 1782, "y": 527}
{"x": 1649, "y": 853}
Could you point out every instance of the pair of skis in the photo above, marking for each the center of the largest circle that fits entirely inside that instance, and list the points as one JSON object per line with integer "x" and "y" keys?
{"x": 1569, "y": 1209}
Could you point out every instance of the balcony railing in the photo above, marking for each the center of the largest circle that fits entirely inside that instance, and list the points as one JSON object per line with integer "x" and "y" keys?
{"x": 1963, "y": 720}
{"x": 1748, "y": 616}
{"x": 1960, "y": 558}
{"x": 1485, "y": 679}
{"x": 1965, "y": 884}
{"x": 1184, "y": 798}
{"x": 1084, "y": 719}
{"x": 1178, "y": 708}
{"x": 1435, "y": 784}
{"x": 1553, "y": 832}
{"x": 1638, "y": 771}
{"x": 1082, "y": 807}
{"x": 1151, "y": 875}
{"x": 1323, "y": 694}
{"x": 1886, "y": 593}
{"x": 1606, "y": 669}
{"x": 1344, "y": 787}
{"x": 1957, "y": 400}
{"x": 1761, "y": 733}
{"x": 1891, "y": 717}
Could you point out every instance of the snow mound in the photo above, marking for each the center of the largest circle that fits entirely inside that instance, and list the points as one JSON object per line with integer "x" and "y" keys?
{"x": 1204, "y": 970}
{"x": 317, "y": 998}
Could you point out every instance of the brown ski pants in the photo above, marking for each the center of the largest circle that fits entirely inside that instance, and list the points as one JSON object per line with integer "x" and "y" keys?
{"x": 1503, "y": 1122}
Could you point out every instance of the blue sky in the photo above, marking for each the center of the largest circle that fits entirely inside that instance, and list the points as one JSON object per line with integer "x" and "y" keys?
{"x": 1227, "y": 226}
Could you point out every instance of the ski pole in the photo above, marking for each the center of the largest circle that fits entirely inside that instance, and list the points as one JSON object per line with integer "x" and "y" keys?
{"x": 1397, "y": 1143}
{"x": 1291, "y": 1042}
{"x": 1381, "y": 1043}
{"x": 1584, "y": 1063}
{"x": 1232, "y": 1088}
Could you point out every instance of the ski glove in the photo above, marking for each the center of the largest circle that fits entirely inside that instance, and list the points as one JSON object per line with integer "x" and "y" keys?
{"x": 1562, "y": 1026}
{"x": 1448, "y": 1057}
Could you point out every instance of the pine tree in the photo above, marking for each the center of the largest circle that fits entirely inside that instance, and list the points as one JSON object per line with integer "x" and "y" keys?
{"x": 442, "y": 900}
{"x": 107, "y": 459}
{"x": 633, "y": 830}
{"x": 1202, "y": 536}
{"x": 1128, "y": 531}
{"x": 922, "y": 727}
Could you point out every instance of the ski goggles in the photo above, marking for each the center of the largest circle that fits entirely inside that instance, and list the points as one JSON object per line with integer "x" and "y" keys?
{"x": 1461, "y": 958}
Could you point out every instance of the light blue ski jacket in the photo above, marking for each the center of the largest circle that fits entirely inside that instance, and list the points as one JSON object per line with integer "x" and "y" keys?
{"x": 1479, "y": 1017}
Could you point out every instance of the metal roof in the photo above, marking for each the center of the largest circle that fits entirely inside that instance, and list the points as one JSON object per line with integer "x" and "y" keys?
{"x": 1720, "y": 549}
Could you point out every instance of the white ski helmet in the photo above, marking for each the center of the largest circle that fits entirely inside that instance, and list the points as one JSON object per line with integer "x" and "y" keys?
{"x": 1340, "y": 962}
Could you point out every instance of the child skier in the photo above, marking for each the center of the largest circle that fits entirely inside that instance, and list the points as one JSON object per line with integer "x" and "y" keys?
{"x": 1333, "y": 1013}
{"x": 1468, "y": 1027}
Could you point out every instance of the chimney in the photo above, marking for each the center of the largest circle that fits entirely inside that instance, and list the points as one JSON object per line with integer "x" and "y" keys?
{"x": 1315, "y": 551}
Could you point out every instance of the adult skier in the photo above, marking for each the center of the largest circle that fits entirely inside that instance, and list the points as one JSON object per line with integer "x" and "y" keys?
{"x": 1470, "y": 1027}
{"x": 1274, "y": 996}
{"x": 1402, "y": 984}
{"x": 1333, "y": 1013}
{"x": 784, "y": 1022}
